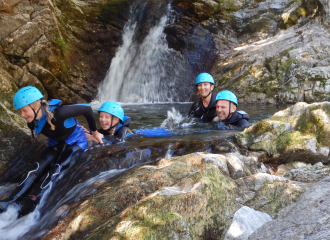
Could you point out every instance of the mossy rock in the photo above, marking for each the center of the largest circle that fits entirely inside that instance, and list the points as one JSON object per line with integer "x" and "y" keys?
{"x": 300, "y": 131}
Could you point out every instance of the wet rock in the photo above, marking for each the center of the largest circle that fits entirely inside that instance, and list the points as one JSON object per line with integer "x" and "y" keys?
{"x": 246, "y": 220}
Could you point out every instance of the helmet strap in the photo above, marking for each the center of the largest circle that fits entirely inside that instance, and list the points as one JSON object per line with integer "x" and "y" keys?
{"x": 35, "y": 113}
{"x": 112, "y": 126}
{"x": 34, "y": 119}
{"x": 207, "y": 95}
{"x": 229, "y": 113}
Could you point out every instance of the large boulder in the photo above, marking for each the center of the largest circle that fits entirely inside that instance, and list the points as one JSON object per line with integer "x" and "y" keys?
{"x": 183, "y": 197}
{"x": 298, "y": 133}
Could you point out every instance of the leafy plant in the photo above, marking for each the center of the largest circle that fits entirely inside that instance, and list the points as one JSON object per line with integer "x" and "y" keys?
{"x": 64, "y": 46}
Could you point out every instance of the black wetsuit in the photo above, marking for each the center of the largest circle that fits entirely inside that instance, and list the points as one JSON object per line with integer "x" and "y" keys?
{"x": 65, "y": 124}
{"x": 65, "y": 143}
{"x": 120, "y": 132}
{"x": 239, "y": 119}
{"x": 207, "y": 114}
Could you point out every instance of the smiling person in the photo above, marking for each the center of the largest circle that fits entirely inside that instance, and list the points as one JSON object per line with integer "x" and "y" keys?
{"x": 204, "y": 108}
{"x": 112, "y": 121}
{"x": 226, "y": 106}
{"x": 66, "y": 138}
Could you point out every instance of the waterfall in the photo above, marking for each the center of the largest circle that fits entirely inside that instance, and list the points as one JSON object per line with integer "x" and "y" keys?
{"x": 147, "y": 71}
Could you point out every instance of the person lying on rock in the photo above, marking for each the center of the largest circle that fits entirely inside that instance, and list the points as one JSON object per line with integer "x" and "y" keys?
{"x": 112, "y": 121}
{"x": 204, "y": 108}
{"x": 66, "y": 137}
{"x": 226, "y": 105}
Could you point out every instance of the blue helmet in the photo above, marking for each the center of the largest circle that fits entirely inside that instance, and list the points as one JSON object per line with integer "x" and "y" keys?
{"x": 227, "y": 95}
{"x": 113, "y": 108}
{"x": 26, "y": 96}
{"x": 204, "y": 77}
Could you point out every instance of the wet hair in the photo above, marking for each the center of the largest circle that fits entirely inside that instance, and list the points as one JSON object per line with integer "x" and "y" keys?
{"x": 50, "y": 115}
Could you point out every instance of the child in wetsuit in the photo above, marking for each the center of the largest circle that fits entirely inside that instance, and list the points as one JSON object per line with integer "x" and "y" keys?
{"x": 112, "y": 121}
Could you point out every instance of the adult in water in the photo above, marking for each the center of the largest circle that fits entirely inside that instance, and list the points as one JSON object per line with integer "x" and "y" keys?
{"x": 113, "y": 122}
{"x": 226, "y": 106}
{"x": 66, "y": 138}
{"x": 204, "y": 108}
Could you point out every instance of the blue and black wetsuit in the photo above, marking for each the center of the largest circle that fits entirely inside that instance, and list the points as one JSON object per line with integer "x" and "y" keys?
{"x": 65, "y": 142}
{"x": 206, "y": 114}
{"x": 120, "y": 132}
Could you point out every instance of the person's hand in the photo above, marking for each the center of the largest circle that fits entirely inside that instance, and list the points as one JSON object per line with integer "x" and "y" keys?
{"x": 86, "y": 131}
{"x": 98, "y": 136}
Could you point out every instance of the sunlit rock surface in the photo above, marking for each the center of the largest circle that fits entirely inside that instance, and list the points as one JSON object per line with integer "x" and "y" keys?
{"x": 306, "y": 219}
{"x": 299, "y": 133}
{"x": 290, "y": 63}
{"x": 245, "y": 222}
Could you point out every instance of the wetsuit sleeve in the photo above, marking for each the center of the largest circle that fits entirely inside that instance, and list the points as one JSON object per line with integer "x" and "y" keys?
{"x": 242, "y": 123}
{"x": 68, "y": 111}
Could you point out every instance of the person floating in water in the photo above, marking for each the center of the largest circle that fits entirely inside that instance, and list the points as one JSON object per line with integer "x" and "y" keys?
{"x": 113, "y": 122}
{"x": 66, "y": 137}
{"x": 204, "y": 108}
{"x": 226, "y": 105}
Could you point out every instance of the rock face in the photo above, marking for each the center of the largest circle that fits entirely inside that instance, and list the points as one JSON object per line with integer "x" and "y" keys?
{"x": 306, "y": 219}
{"x": 276, "y": 60}
{"x": 61, "y": 47}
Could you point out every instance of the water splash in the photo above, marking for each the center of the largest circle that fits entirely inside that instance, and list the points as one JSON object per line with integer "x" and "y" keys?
{"x": 146, "y": 72}
{"x": 173, "y": 120}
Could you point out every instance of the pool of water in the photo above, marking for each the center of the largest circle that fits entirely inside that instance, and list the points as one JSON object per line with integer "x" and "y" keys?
{"x": 173, "y": 117}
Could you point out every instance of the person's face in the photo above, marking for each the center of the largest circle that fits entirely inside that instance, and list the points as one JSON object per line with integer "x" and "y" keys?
{"x": 27, "y": 113}
{"x": 105, "y": 120}
{"x": 222, "y": 108}
{"x": 204, "y": 88}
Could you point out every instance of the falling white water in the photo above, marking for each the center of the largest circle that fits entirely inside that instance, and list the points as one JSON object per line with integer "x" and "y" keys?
{"x": 144, "y": 72}
{"x": 12, "y": 227}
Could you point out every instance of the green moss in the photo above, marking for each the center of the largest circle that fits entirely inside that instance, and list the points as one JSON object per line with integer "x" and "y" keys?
{"x": 63, "y": 45}
{"x": 273, "y": 197}
{"x": 260, "y": 128}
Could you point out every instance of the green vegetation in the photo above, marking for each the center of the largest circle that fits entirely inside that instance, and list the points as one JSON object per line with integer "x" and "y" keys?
{"x": 64, "y": 46}
{"x": 59, "y": 3}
